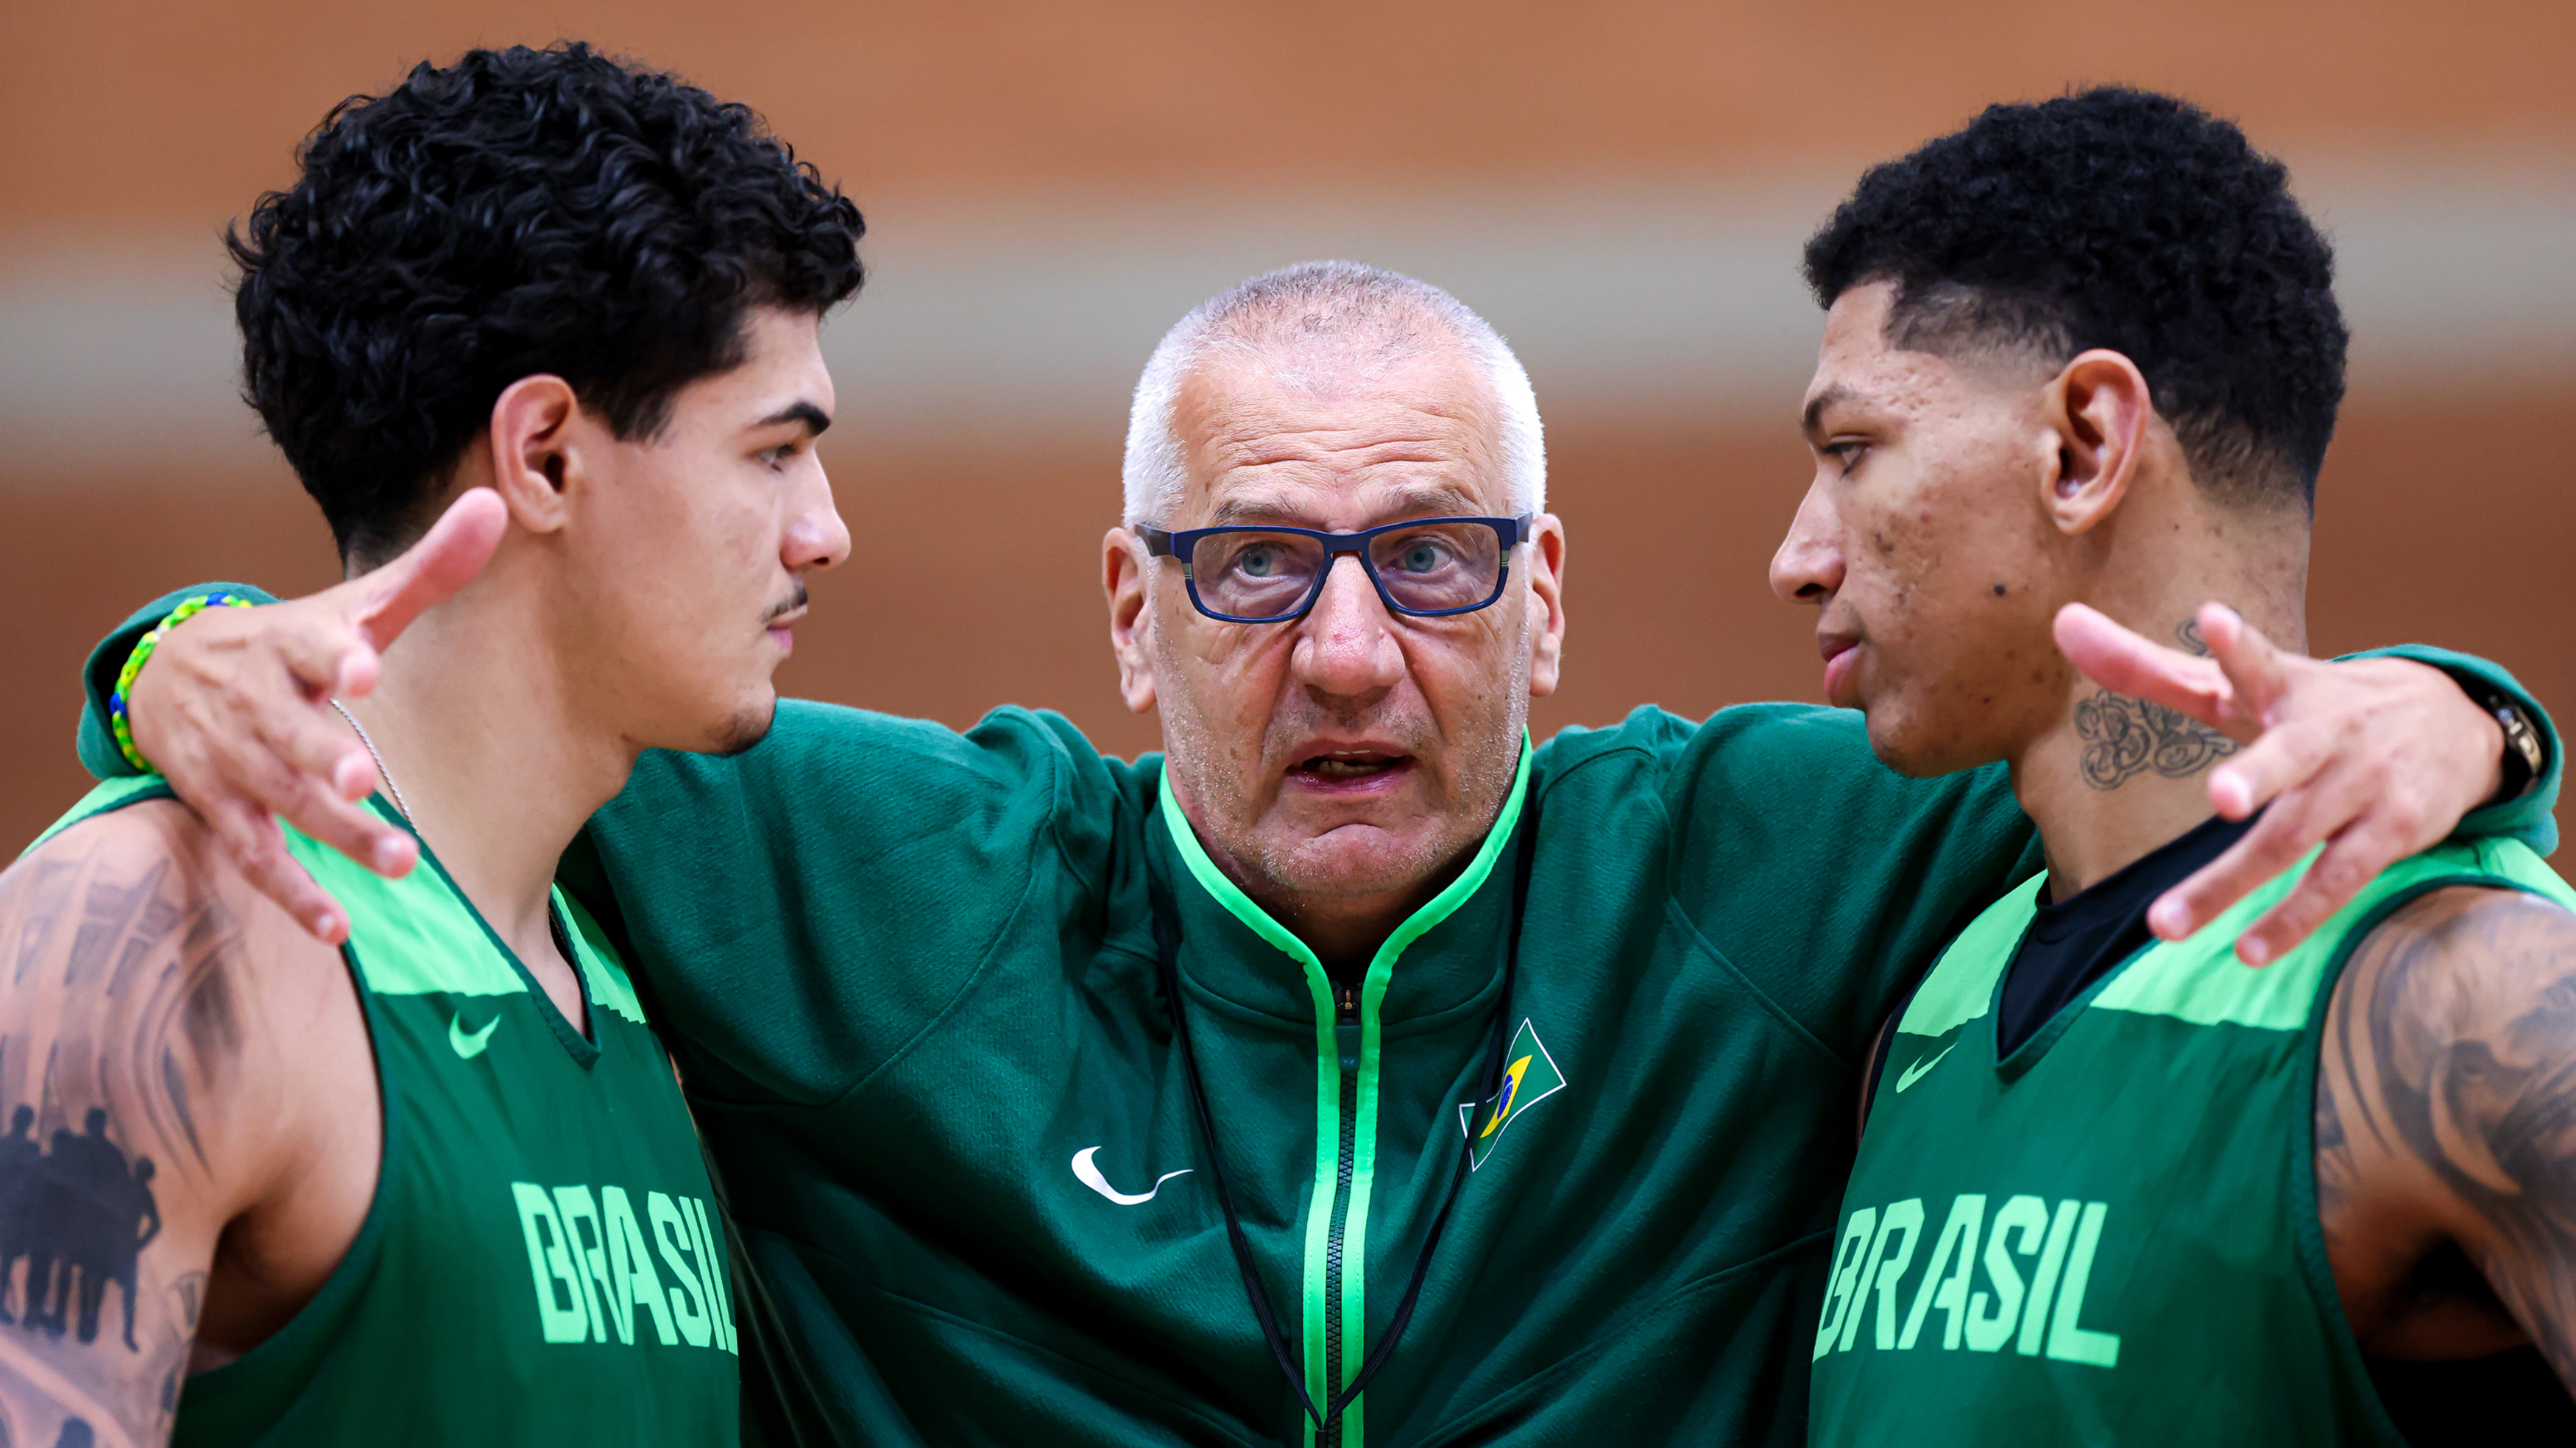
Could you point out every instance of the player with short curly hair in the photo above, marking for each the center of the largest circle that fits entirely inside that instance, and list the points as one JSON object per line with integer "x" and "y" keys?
{"x": 439, "y": 1185}
{"x": 2114, "y": 1186}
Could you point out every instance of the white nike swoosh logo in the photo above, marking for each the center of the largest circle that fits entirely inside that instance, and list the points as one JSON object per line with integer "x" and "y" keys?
{"x": 1086, "y": 1172}
{"x": 1914, "y": 1073}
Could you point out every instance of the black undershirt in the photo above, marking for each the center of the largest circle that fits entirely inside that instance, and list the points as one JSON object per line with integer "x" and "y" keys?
{"x": 2078, "y": 940}
{"x": 2072, "y": 944}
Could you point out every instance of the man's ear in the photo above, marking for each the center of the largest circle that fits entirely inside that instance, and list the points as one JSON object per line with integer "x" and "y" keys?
{"x": 1125, "y": 569}
{"x": 2101, "y": 409}
{"x": 1547, "y": 591}
{"x": 536, "y": 449}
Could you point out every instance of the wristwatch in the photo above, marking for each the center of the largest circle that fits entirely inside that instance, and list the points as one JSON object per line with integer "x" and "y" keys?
{"x": 2523, "y": 757}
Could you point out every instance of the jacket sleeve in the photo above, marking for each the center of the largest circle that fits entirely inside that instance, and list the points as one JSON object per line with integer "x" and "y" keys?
{"x": 806, "y": 909}
{"x": 98, "y": 751}
{"x": 1833, "y": 882}
{"x": 803, "y": 909}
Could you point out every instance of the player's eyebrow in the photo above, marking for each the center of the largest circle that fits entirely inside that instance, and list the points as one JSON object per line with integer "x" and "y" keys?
{"x": 1812, "y": 420}
{"x": 816, "y": 420}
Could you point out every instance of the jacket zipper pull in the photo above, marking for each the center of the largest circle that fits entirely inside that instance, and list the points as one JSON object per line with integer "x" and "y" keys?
{"x": 1346, "y": 1024}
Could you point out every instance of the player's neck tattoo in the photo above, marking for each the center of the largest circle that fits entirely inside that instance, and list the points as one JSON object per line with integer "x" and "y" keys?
{"x": 2125, "y": 737}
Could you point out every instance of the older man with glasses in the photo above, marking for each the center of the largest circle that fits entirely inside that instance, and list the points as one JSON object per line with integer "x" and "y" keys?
{"x": 1353, "y": 1072}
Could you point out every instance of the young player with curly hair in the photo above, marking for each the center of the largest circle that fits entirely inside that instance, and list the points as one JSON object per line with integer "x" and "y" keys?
{"x": 439, "y": 1185}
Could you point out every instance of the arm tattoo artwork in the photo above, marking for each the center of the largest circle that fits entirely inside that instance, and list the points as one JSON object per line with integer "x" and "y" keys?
{"x": 120, "y": 1018}
{"x": 2451, "y": 1052}
{"x": 2125, "y": 737}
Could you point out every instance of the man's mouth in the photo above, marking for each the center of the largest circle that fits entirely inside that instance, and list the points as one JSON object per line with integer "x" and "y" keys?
{"x": 1841, "y": 653}
{"x": 1354, "y": 769}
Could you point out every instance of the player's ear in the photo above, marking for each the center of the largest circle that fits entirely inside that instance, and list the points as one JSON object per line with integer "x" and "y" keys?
{"x": 536, "y": 456}
{"x": 1125, "y": 571}
{"x": 2100, "y": 407}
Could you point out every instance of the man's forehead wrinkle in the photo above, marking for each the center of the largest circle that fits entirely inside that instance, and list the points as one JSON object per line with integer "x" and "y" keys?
{"x": 1392, "y": 500}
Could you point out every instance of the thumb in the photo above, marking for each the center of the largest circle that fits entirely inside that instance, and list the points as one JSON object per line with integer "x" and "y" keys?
{"x": 444, "y": 560}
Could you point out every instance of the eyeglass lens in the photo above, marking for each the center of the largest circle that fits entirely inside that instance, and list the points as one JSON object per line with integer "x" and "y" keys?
{"x": 1434, "y": 568}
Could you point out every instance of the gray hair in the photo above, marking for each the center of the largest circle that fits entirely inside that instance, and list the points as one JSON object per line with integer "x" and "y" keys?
{"x": 1346, "y": 301}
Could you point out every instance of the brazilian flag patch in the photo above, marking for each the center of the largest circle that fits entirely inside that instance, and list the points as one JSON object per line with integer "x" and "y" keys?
{"x": 1529, "y": 1077}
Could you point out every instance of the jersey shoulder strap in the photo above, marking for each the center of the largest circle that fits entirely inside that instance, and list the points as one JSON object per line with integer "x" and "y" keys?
{"x": 105, "y": 797}
{"x": 2187, "y": 980}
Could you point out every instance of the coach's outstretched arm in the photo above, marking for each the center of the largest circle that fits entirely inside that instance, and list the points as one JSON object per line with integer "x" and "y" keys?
{"x": 234, "y": 708}
{"x": 2292, "y": 715}
{"x": 149, "y": 1107}
{"x": 2446, "y": 1118}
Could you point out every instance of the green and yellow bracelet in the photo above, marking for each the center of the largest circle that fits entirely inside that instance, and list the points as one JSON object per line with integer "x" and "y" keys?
{"x": 142, "y": 655}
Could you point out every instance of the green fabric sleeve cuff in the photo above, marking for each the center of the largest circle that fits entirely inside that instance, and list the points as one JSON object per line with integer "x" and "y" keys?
{"x": 2533, "y": 818}
{"x": 97, "y": 746}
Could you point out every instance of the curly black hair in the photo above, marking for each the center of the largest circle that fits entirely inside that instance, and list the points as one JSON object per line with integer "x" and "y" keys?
{"x": 2121, "y": 219}
{"x": 518, "y": 212}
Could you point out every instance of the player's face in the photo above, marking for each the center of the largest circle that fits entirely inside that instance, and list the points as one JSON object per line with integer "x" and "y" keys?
{"x": 686, "y": 564}
{"x": 1925, "y": 544}
{"x": 1355, "y": 752}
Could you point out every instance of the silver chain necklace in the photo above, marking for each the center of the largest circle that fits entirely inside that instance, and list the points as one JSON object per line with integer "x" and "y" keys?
{"x": 381, "y": 772}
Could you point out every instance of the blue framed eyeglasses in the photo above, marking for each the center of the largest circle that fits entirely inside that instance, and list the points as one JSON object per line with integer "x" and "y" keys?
{"x": 1425, "y": 567}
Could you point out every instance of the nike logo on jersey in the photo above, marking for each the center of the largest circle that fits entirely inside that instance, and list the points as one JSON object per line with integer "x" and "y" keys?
{"x": 1914, "y": 1073}
{"x": 469, "y": 1044}
{"x": 1087, "y": 1172}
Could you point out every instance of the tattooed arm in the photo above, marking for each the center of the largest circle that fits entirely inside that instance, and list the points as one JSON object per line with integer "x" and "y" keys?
{"x": 159, "y": 1163}
{"x": 2446, "y": 1129}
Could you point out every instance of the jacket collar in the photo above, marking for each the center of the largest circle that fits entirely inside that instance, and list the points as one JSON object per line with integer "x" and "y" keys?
{"x": 1242, "y": 956}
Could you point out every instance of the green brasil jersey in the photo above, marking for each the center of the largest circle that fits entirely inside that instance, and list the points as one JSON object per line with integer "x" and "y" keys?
{"x": 2110, "y": 1234}
{"x": 911, "y": 976}
{"x": 539, "y": 1264}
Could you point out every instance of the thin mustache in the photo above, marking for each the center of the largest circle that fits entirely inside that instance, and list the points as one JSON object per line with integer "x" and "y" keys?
{"x": 794, "y": 602}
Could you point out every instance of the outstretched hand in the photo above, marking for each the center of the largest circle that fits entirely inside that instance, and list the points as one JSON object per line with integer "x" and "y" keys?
{"x": 2375, "y": 759}
{"x": 235, "y": 711}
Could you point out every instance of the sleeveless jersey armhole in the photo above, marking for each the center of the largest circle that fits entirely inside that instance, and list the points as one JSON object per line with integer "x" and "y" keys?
{"x": 307, "y": 1334}
{"x": 1874, "y": 1066}
{"x": 2308, "y": 1226}
{"x": 310, "y": 1323}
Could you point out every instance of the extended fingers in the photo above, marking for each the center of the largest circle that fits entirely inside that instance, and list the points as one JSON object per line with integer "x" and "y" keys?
{"x": 257, "y": 848}
{"x": 2120, "y": 660}
{"x": 321, "y": 805}
{"x": 2351, "y": 860}
{"x": 2331, "y": 805}
{"x": 2257, "y": 672}
{"x": 2281, "y": 759}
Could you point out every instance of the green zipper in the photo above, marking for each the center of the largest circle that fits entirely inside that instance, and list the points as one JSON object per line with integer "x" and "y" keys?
{"x": 1334, "y": 1324}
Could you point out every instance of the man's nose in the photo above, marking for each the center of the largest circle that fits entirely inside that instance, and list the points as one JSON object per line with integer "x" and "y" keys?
{"x": 816, "y": 537}
{"x": 1809, "y": 566}
{"x": 1347, "y": 645}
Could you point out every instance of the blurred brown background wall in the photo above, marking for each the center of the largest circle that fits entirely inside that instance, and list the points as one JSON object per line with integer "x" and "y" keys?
{"x": 1622, "y": 188}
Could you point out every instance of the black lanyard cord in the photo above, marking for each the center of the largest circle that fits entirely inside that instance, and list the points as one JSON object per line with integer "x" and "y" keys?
{"x": 1167, "y": 946}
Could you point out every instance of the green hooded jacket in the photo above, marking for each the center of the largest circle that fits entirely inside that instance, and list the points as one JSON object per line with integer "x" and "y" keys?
{"x": 913, "y": 980}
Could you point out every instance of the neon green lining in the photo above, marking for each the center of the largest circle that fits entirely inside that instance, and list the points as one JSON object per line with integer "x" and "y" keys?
{"x": 2200, "y": 981}
{"x": 1953, "y": 995}
{"x": 1381, "y": 972}
{"x": 1328, "y": 1105}
{"x": 414, "y": 935}
{"x": 598, "y": 961}
{"x": 106, "y": 795}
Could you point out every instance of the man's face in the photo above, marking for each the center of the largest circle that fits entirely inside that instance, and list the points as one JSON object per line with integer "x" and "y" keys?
{"x": 1354, "y": 753}
{"x": 1925, "y": 543}
{"x": 687, "y": 561}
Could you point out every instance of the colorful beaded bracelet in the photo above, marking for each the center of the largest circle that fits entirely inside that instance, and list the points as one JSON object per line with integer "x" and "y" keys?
{"x": 142, "y": 655}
